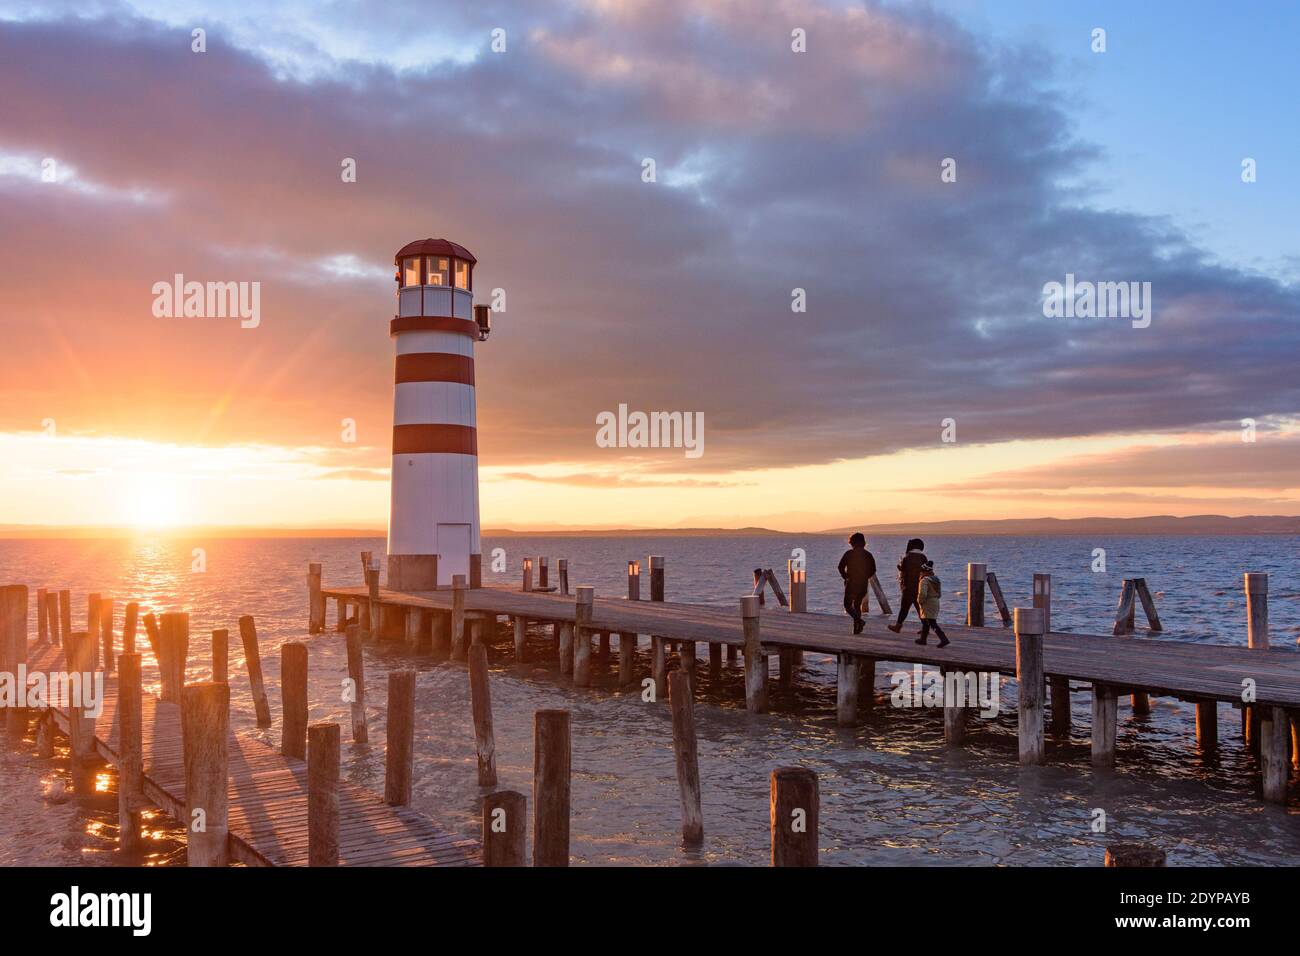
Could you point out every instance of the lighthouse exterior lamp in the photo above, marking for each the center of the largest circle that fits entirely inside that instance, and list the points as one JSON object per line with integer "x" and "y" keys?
{"x": 433, "y": 521}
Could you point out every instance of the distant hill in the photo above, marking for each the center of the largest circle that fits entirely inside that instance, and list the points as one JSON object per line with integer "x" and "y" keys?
{"x": 1156, "y": 524}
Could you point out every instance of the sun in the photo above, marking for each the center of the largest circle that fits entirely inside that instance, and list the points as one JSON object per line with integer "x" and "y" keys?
{"x": 151, "y": 501}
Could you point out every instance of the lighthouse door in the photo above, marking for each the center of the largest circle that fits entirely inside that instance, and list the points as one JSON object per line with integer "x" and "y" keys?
{"x": 453, "y": 552}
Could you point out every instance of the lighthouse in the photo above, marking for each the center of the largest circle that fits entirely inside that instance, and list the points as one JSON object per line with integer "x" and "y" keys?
{"x": 433, "y": 524}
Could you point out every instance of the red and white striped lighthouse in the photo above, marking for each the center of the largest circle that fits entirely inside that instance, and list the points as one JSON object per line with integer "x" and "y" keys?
{"x": 433, "y": 527}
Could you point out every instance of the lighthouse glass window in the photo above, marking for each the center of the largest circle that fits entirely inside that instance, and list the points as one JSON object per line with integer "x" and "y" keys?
{"x": 462, "y": 274}
{"x": 438, "y": 271}
{"x": 410, "y": 272}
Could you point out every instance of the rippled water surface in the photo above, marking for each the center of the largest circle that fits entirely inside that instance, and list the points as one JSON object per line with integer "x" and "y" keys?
{"x": 892, "y": 793}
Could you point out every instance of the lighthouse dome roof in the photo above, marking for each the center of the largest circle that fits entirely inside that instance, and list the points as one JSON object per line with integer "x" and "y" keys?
{"x": 434, "y": 247}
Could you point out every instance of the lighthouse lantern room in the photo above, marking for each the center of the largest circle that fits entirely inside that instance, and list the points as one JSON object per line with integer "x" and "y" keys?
{"x": 433, "y": 522}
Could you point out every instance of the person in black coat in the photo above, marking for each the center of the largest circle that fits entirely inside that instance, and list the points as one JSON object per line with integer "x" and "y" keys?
{"x": 856, "y": 568}
{"x": 909, "y": 579}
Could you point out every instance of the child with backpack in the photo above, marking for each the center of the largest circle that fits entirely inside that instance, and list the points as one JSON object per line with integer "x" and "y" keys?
{"x": 927, "y": 601}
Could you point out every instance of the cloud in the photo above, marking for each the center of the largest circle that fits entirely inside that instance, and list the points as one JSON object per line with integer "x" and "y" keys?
{"x": 818, "y": 171}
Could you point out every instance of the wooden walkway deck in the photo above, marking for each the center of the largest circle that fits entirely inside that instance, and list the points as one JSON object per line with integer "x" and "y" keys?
{"x": 1193, "y": 672}
{"x": 268, "y": 794}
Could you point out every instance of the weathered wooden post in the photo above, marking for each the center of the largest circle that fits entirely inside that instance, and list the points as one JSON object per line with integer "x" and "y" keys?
{"x": 1134, "y": 854}
{"x": 92, "y": 625}
{"x": 1104, "y": 712}
{"x": 52, "y": 614}
{"x": 975, "y": 594}
{"x": 759, "y": 581}
{"x": 293, "y": 699}
{"x": 1029, "y": 682}
{"x": 1207, "y": 724}
{"x": 797, "y": 577}
{"x": 795, "y": 806}
{"x": 551, "y": 782}
{"x": 634, "y": 580}
{"x": 656, "y": 577}
{"x": 543, "y": 572}
{"x": 995, "y": 589}
{"x": 1274, "y": 741}
{"x": 459, "y": 645}
{"x": 686, "y": 752}
{"x": 42, "y": 616}
{"x": 627, "y": 639}
{"x": 847, "y": 682}
{"x": 564, "y": 576}
{"x": 174, "y": 644}
{"x": 954, "y": 711}
{"x": 79, "y": 651}
{"x": 480, "y": 694}
{"x": 65, "y": 613}
{"x": 565, "y": 630}
{"x": 205, "y": 732}
{"x": 130, "y": 782}
{"x": 341, "y": 614}
{"x": 879, "y": 593}
{"x": 399, "y": 760}
{"x": 1124, "y": 610}
{"x": 253, "y": 659}
{"x": 315, "y": 600}
{"x": 129, "y": 626}
{"x": 686, "y": 661}
{"x": 520, "y": 626}
{"x": 1060, "y": 685}
{"x": 1257, "y": 638}
{"x": 505, "y": 828}
{"x": 221, "y": 655}
{"x": 755, "y": 662}
{"x": 155, "y": 637}
{"x": 376, "y": 616}
{"x": 582, "y": 636}
{"x": 414, "y": 627}
{"x": 356, "y": 696}
{"x": 527, "y": 584}
{"x": 323, "y": 794}
{"x": 1148, "y": 603}
{"x": 13, "y": 653}
{"x": 106, "y": 632}
{"x": 715, "y": 661}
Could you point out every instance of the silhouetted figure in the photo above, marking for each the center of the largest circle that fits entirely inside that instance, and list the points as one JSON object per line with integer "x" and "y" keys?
{"x": 856, "y": 568}
{"x": 927, "y": 604}
{"x": 909, "y": 579}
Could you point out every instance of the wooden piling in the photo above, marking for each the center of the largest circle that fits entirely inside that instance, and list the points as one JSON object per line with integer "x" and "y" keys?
{"x": 1148, "y": 603}
{"x": 505, "y": 828}
{"x": 221, "y": 655}
{"x": 78, "y": 647}
{"x": 459, "y": 646}
{"x": 154, "y": 636}
{"x": 106, "y": 607}
{"x": 797, "y": 580}
{"x": 414, "y": 627}
{"x": 686, "y": 752}
{"x": 759, "y": 581}
{"x": 375, "y": 618}
{"x": 1059, "y": 684}
{"x": 357, "y": 674}
{"x": 1256, "y": 584}
{"x": 92, "y": 624}
{"x": 323, "y": 794}
{"x": 659, "y": 666}
{"x": 995, "y": 589}
{"x": 582, "y": 636}
{"x": 1134, "y": 854}
{"x": 794, "y": 815}
{"x": 564, "y": 576}
{"x": 1207, "y": 725}
{"x": 1029, "y": 682}
{"x": 1274, "y": 758}
{"x": 847, "y": 681}
{"x": 551, "y": 783}
{"x": 400, "y": 757}
{"x": 129, "y": 626}
{"x": 440, "y": 635}
{"x": 130, "y": 781}
{"x": 315, "y": 600}
{"x": 1124, "y": 610}
{"x": 954, "y": 713}
{"x": 253, "y": 660}
{"x": 480, "y": 694}
{"x": 1104, "y": 700}
{"x": 543, "y": 572}
{"x": 975, "y": 594}
{"x": 626, "y": 658}
{"x": 52, "y": 615}
{"x": 42, "y": 616}
{"x": 13, "y": 653}
{"x": 755, "y": 662}
{"x": 293, "y": 699}
{"x": 715, "y": 661}
{"x": 65, "y": 613}
{"x": 174, "y": 644}
{"x": 686, "y": 662}
{"x": 656, "y": 577}
{"x": 527, "y": 580}
{"x": 566, "y": 647}
{"x": 520, "y": 627}
{"x": 866, "y": 683}
{"x": 205, "y": 733}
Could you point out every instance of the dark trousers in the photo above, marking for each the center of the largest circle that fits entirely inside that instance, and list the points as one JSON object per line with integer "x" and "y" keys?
{"x": 853, "y": 595}
{"x": 927, "y": 625}
{"x": 909, "y": 601}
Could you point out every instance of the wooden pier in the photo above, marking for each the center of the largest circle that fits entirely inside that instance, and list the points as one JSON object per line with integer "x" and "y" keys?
{"x": 267, "y": 792}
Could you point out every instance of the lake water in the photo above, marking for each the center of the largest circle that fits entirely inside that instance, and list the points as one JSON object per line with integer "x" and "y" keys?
{"x": 891, "y": 792}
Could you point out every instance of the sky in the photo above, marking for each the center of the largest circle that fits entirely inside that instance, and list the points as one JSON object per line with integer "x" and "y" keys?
{"x": 921, "y": 172}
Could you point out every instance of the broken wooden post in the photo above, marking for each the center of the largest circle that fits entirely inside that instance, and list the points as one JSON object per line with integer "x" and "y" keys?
{"x": 253, "y": 660}
{"x": 879, "y": 592}
{"x": 323, "y": 794}
{"x": 797, "y": 578}
{"x": 79, "y": 652}
{"x": 459, "y": 645}
{"x": 480, "y": 694}
{"x": 174, "y": 645}
{"x": 1274, "y": 759}
{"x": 221, "y": 655}
{"x": 755, "y": 662}
{"x": 1029, "y": 682}
{"x": 582, "y": 636}
{"x": 400, "y": 756}
{"x": 505, "y": 828}
{"x": 686, "y": 752}
{"x": 356, "y": 695}
{"x": 130, "y": 780}
{"x": 846, "y": 690}
{"x": 795, "y": 812}
{"x": 1124, "y": 610}
{"x": 205, "y": 735}
{"x": 995, "y": 589}
{"x": 293, "y": 699}
{"x": 1148, "y": 603}
{"x": 155, "y": 637}
{"x": 315, "y": 600}
{"x": 759, "y": 581}
{"x": 551, "y": 783}
{"x": 975, "y": 594}
{"x": 1104, "y": 706}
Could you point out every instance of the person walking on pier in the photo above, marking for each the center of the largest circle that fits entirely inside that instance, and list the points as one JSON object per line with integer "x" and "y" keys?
{"x": 857, "y": 568}
{"x": 909, "y": 579}
{"x": 927, "y": 604}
